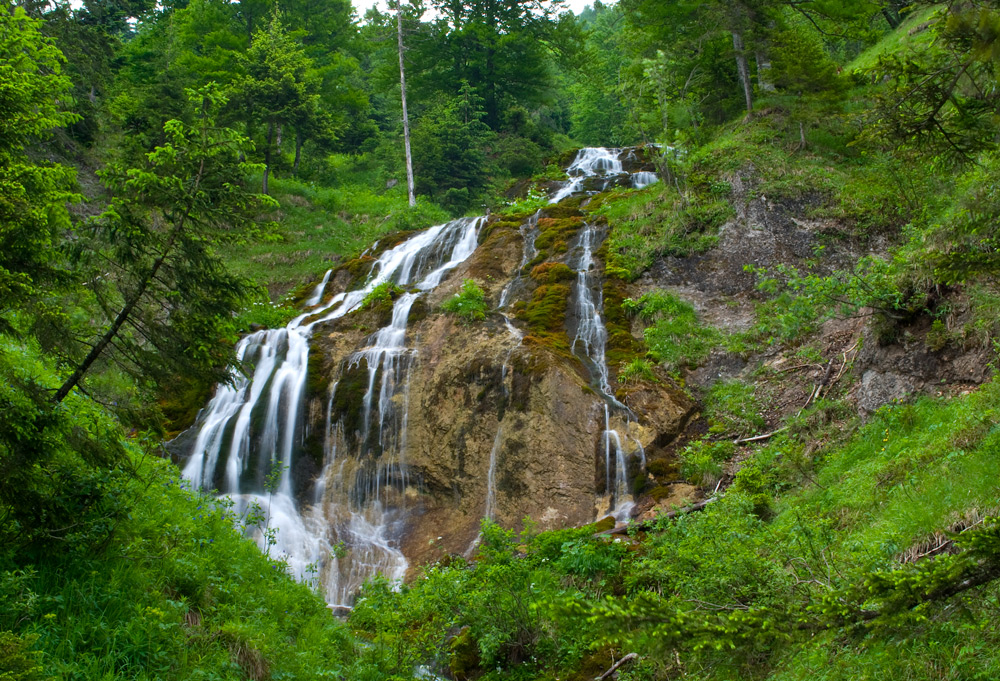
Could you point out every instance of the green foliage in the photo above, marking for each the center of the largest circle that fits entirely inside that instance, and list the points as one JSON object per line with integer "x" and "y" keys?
{"x": 657, "y": 221}
{"x": 279, "y": 88}
{"x": 701, "y": 461}
{"x": 469, "y": 304}
{"x": 33, "y": 194}
{"x": 637, "y": 369}
{"x": 381, "y": 296}
{"x": 157, "y": 237}
{"x": 449, "y": 162}
{"x": 675, "y": 337}
{"x": 732, "y": 407}
{"x": 17, "y": 661}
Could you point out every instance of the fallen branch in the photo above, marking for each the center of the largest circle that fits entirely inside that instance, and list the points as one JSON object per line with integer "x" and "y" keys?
{"x": 631, "y": 657}
{"x": 758, "y": 438}
{"x": 818, "y": 388}
{"x": 800, "y": 366}
{"x": 623, "y": 529}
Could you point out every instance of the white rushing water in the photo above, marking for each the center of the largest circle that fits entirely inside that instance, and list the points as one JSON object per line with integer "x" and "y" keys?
{"x": 600, "y": 168}
{"x": 249, "y": 435}
{"x": 340, "y": 527}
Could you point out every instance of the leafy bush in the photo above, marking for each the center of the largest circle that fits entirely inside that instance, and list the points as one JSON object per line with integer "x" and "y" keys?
{"x": 469, "y": 304}
{"x": 701, "y": 461}
{"x": 732, "y": 407}
{"x": 675, "y": 337}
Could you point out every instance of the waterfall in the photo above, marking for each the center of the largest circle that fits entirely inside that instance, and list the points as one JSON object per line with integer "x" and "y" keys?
{"x": 590, "y": 345}
{"x": 603, "y": 169}
{"x": 340, "y": 522}
{"x": 250, "y": 435}
{"x": 590, "y": 340}
{"x": 317, "y": 295}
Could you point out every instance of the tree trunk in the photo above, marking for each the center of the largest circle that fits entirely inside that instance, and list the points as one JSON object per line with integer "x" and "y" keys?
{"x": 763, "y": 71}
{"x": 744, "y": 70}
{"x": 120, "y": 320}
{"x": 298, "y": 153}
{"x": 406, "y": 118}
{"x": 278, "y": 141}
{"x": 267, "y": 156}
{"x": 891, "y": 18}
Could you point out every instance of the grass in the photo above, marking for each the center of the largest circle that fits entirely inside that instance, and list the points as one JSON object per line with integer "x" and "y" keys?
{"x": 469, "y": 304}
{"x": 898, "y": 41}
{"x": 675, "y": 337}
{"x": 318, "y": 226}
{"x": 656, "y": 221}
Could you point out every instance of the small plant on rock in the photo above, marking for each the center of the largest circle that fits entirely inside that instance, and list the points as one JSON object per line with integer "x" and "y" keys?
{"x": 469, "y": 304}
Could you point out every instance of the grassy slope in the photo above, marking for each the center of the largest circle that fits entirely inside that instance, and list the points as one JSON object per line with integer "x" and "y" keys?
{"x": 316, "y": 227}
{"x": 151, "y": 580}
{"x": 819, "y": 508}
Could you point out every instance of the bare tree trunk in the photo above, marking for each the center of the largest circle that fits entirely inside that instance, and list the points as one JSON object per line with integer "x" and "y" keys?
{"x": 267, "y": 156}
{"x": 744, "y": 70}
{"x": 278, "y": 141}
{"x": 891, "y": 17}
{"x": 763, "y": 71}
{"x": 406, "y": 118}
{"x": 298, "y": 153}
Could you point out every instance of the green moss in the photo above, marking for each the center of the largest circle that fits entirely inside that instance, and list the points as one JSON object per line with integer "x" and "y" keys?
{"x": 348, "y": 402}
{"x": 463, "y": 661}
{"x": 380, "y": 302}
{"x": 552, "y": 273}
{"x": 317, "y": 379}
{"x": 359, "y": 269}
{"x": 419, "y": 311}
{"x": 499, "y": 226}
{"x": 545, "y": 315}
{"x": 180, "y": 401}
{"x": 567, "y": 208}
{"x": 664, "y": 470}
{"x": 622, "y": 347}
{"x": 554, "y": 234}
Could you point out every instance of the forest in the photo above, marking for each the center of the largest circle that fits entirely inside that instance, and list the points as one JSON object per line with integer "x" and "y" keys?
{"x": 812, "y": 277}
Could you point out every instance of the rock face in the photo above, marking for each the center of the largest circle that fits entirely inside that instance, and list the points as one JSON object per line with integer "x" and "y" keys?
{"x": 504, "y": 422}
{"x": 392, "y": 429}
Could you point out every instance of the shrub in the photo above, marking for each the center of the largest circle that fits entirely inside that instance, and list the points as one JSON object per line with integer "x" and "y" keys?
{"x": 701, "y": 461}
{"x": 675, "y": 337}
{"x": 469, "y": 304}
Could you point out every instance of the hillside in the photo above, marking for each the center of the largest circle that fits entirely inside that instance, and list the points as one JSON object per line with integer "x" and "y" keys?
{"x": 715, "y": 403}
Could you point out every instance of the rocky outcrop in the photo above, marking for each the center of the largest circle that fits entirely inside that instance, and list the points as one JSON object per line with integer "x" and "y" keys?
{"x": 497, "y": 424}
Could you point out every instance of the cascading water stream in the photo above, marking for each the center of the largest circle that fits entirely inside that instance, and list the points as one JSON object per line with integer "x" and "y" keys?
{"x": 590, "y": 341}
{"x": 249, "y": 438}
{"x": 248, "y": 435}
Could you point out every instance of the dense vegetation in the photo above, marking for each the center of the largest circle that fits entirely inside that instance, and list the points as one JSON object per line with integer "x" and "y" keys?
{"x": 169, "y": 171}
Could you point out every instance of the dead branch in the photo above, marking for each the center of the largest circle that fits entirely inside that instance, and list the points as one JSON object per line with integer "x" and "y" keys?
{"x": 631, "y": 657}
{"x": 758, "y": 438}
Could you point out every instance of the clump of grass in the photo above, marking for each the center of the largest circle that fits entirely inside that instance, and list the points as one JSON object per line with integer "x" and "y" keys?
{"x": 675, "y": 336}
{"x": 732, "y": 407}
{"x": 701, "y": 461}
{"x": 381, "y": 295}
{"x": 638, "y": 369}
{"x": 469, "y": 304}
{"x": 658, "y": 221}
